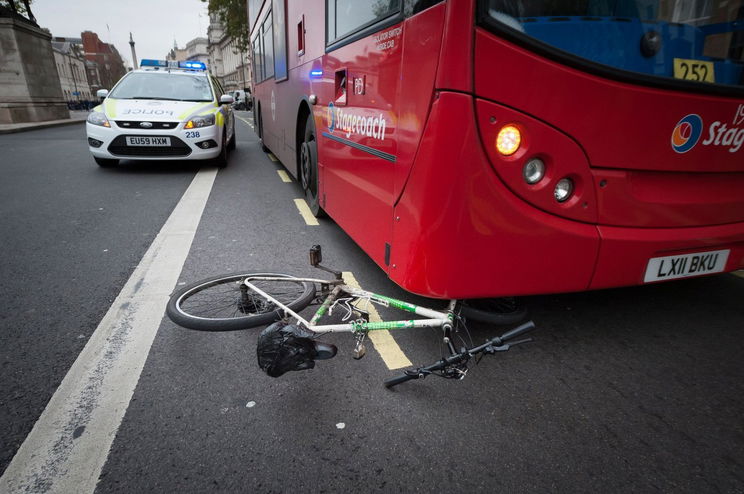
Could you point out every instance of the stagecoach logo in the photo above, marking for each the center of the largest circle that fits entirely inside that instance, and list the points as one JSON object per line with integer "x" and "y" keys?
{"x": 689, "y": 130}
{"x": 352, "y": 124}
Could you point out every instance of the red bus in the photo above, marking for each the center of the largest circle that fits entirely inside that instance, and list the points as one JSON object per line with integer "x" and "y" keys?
{"x": 485, "y": 148}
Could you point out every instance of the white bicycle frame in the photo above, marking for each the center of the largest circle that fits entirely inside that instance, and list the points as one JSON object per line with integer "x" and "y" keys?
{"x": 433, "y": 318}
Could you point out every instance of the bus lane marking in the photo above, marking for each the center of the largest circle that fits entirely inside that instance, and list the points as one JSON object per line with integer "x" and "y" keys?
{"x": 305, "y": 212}
{"x": 244, "y": 120}
{"x": 284, "y": 176}
{"x": 382, "y": 340}
{"x": 70, "y": 442}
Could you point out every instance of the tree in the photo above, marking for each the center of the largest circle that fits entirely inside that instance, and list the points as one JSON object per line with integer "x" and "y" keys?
{"x": 20, "y": 7}
{"x": 233, "y": 15}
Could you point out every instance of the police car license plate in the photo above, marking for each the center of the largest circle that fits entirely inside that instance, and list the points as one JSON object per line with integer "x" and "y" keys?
{"x": 683, "y": 266}
{"x": 148, "y": 141}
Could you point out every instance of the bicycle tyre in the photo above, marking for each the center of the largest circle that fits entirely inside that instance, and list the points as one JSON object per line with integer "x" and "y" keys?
{"x": 493, "y": 311}
{"x": 234, "y": 312}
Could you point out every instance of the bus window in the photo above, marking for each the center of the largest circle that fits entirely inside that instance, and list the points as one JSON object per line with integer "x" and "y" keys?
{"x": 348, "y": 16}
{"x": 699, "y": 41}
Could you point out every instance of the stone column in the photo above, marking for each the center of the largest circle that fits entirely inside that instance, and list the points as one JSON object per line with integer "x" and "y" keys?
{"x": 31, "y": 90}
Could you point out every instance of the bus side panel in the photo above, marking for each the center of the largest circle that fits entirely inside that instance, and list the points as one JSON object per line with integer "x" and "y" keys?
{"x": 422, "y": 41}
{"x": 358, "y": 131}
{"x": 462, "y": 234}
{"x": 280, "y": 100}
{"x": 456, "y": 71}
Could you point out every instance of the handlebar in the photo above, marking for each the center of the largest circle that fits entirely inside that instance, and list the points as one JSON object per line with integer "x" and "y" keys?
{"x": 499, "y": 343}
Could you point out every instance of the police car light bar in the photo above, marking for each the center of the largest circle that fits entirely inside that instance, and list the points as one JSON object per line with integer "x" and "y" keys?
{"x": 171, "y": 64}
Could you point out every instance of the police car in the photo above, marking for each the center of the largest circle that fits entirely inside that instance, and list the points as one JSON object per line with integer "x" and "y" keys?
{"x": 164, "y": 111}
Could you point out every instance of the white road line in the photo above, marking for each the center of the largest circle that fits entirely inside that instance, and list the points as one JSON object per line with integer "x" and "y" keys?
{"x": 284, "y": 176}
{"x": 244, "y": 120}
{"x": 70, "y": 442}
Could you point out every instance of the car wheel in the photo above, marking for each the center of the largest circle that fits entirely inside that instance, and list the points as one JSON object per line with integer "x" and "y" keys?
{"x": 106, "y": 163}
{"x": 221, "y": 159}
{"x": 233, "y": 140}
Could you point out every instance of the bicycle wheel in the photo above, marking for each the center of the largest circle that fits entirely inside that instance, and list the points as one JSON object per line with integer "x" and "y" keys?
{"x": 224, "y": 303}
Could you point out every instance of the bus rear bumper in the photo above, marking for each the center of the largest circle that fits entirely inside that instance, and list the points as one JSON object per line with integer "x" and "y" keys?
{"x": 626, "y": 254}
{"x": 460, "y": 232}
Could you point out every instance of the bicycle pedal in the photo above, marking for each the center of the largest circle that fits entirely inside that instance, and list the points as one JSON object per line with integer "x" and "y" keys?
{"x": 360, "y": 351}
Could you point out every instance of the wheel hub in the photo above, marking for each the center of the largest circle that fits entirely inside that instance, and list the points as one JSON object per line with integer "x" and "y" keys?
{"x": 305, "y": 166}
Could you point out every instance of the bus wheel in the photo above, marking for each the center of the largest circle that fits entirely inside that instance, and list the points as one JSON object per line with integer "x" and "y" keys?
{"x": 309, "y": 168}
{"x": 261, "y": 133}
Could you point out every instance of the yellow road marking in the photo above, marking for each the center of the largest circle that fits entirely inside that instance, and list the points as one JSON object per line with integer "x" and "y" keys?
{"x": 272, "y": 157}
{"x": 307, "y": 215}
{"x": 284, "y": 176}
{"x": 382, "y": 340}
{"x": 739, "y": 273}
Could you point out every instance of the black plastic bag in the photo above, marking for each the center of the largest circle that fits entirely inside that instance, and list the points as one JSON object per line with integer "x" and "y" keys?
{"x": 284, "y": 347}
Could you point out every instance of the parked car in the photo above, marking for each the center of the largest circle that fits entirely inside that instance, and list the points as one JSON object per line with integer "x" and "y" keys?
{"x": 243, "y": 100}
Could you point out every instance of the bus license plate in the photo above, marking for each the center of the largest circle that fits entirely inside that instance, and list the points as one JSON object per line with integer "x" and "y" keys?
{"x": 694, "y": 70}
{"x": 147, "y": 141}
{"x": 683, "y": 266}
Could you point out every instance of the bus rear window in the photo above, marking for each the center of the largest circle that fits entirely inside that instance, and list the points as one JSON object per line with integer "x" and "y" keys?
{"x": 690, "y": 40}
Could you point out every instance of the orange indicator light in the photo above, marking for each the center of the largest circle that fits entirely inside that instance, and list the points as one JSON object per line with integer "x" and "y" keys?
{"x": 508, "y": 140}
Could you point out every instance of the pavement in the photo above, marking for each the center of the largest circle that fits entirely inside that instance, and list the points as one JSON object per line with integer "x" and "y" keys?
{"x": 75, "y": 118}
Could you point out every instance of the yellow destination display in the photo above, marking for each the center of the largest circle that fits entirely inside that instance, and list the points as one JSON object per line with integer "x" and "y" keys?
{"x": 694, "y": 70}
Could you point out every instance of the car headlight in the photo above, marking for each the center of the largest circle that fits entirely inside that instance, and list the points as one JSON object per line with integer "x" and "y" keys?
{"x": 98, "y": 118}
{"x": 200, "y": 121}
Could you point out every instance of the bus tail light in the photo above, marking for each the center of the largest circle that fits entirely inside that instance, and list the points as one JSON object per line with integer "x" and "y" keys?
{"x": 508, "y": 140}
{"x": 539, "y": 163}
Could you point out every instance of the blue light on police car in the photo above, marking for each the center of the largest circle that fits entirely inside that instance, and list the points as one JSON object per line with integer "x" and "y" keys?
{"x": 192, "y": 65}
{"x": 316, "y": 73}
{"x": 148, "y": 62}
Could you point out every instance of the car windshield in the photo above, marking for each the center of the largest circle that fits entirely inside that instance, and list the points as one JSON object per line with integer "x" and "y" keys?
{"x": 695, "y": 40}
{"x": 163, "y": 85}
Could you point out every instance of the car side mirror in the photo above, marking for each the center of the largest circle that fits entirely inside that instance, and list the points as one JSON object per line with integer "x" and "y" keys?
{"x": 102, "y": 93}
{"x": 226, "y": 99}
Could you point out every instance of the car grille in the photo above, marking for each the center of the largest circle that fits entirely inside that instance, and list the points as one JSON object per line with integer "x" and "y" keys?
{"x": 177, "y": 148}
{"x": 135, "y": 124}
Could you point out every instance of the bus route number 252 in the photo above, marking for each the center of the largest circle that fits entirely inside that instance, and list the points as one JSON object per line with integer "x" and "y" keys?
{"x": 694, "y": 70}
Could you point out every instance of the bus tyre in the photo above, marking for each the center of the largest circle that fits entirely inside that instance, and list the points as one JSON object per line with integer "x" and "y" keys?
{"x": 106, "y": 163}
{"x": 261, "y": 133}
{"x": 505, "y": 310}
{"x": 309, "y": 168}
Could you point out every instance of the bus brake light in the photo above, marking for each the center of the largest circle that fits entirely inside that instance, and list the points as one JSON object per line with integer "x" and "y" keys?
{"x": 508, "y": 140}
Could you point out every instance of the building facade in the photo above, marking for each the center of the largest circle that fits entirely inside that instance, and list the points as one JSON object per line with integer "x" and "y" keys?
{"x": 110, "y": 66}
{"x": 71, "y": 68}
{"x": 196, "y": 49}
{"x": 225, "y": 61}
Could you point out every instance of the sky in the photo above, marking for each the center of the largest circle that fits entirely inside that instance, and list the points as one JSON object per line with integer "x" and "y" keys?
{"x": 154, "y": 24}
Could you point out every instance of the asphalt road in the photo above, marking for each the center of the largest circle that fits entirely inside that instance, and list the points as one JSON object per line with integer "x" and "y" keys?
{"x": 630, "y": 390}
